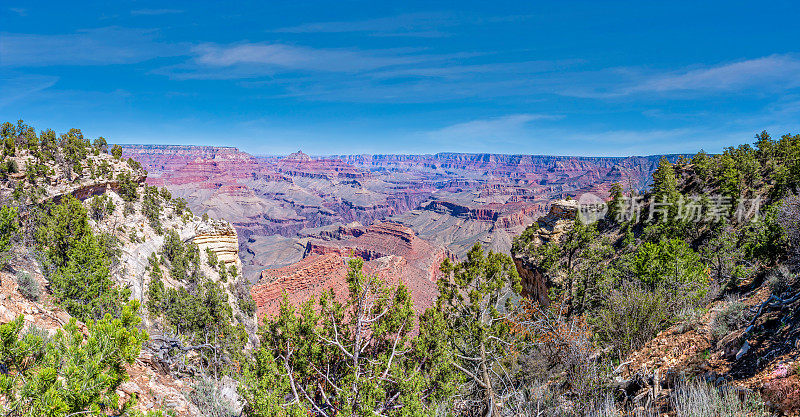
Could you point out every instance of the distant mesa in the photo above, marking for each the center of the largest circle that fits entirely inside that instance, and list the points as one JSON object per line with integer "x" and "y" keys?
{"x": 298, "y": 156}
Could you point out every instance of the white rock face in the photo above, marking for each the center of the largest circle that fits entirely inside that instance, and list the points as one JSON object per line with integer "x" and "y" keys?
{"x": 220, "y": 237}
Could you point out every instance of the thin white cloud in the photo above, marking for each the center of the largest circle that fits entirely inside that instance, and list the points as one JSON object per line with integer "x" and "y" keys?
{"x": 422, "y": 25}
{"x": 154, "y": 12}
{"x": 102, "y": 46}
{"x": 17, "y": 87}
{"x": 299, "y": 58}
{"x": 478, "y": 133}
{"x": 410, "y": 24}
{"x": 259, "y": 60}
{"x": 775, "y": 70}
{"x": 773, "y": 73}
{"x": 19, "y": 10}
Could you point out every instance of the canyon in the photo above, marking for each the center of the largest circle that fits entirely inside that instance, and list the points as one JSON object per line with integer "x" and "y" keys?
{"x": 280, "y": 206}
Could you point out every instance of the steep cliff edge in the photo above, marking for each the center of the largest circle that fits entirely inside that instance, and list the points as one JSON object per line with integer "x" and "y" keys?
{"x": 135, "y": 224}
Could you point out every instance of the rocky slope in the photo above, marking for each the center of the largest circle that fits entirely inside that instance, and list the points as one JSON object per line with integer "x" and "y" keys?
{"x": 102, "y": 176}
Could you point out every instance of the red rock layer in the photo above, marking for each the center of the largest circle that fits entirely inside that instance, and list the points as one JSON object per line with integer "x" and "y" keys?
{"x": 390, "y": 250}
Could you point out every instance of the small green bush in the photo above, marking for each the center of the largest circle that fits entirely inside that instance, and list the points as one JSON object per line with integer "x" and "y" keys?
{"x": 780, "y": 280}
{"x": 698, "y": 399}
{"x": 212, "y": 258}
{"x": 632, "y": 315}
{"x": 208, "y": 398}
{"x": 28, "y": 286}
{"x": 732, "y": 316}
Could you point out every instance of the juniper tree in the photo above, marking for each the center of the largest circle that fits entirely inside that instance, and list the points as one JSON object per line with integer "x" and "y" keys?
{"x": 71, "y": 373}
{"x": 350, "y": 358}
{"x": 477, "y": 298}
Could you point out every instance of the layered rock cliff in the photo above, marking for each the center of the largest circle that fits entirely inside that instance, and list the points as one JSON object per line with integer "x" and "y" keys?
{"x": 390, "y": 250}
{"x": 450, "y": 199}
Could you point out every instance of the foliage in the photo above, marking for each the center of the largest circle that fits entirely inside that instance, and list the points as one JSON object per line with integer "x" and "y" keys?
{"x": 71, "y": 373}
{"x": 100, "y": 144}
{"x": 211, "y": 257}
{"x": 116, "y": 151}
{"x": 28, "y": 286}
{"x": 670, "y": 263}
{"x": 184, "y": 259}
{"x": 180, "y": 205}
{"x": 730, "y": 317}
{"x": 9, "y": 229}
{"x": 81, "y": 280}
{"x": 476, "y": 299}
{"x": 615, "y": 205}
{"x": 351, "y": 358}
{"x": 207, "y": 396}
{"x": 665, "y": 189}
{"x": 127, "y": 187}
{"x": 702, "y": 165}
{"x": 632, "y": 314}
{"x": 101, "y": 206}
{"x": 245, "y": 300}
{"x": 699, "y": 399}
{"x": 197, "y": 312}
{"x": 151, "y": 207}
{"x": 74, "y": 146}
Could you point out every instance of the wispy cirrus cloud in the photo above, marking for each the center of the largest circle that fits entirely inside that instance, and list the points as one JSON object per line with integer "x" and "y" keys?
{"x": 504, "y": 130}
{"x": 102, "y": 46}
{"x": 154, "y": 12}
{"x": 19, "y": 11}
{"x": 781, "y": 71}
{"x": 778, "y": 72}
{"x": 16, "y": 86}
{"x": 543, "y": 134}
{"x": 422, "y": 25}
{"x": 253, "y": 60}
{"x": 300, "y": 58}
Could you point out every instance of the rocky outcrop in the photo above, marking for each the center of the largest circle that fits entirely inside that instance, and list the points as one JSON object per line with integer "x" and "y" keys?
{"x": 548, "y": 228}
{"x": 63, "y": 179}
{"x": 390, "y": 250}
{"x": 220, "y": 237}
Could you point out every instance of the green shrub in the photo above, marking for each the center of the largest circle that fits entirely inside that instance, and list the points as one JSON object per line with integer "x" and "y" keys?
{"x": 127, "y": 187}
{"x": 116, "y": 151}
{"x": 151, "y": 207}
{"x": 71, "y": 373}
{"x": 79, "y": 261}
{"x": 732, "y": 316}
{"x": 780, "y": 279}
{"x": 672, "y": 264}
{"x": 101, "y": 206}
{"x": 181, "y": 206}
{"x": 208, "y": 398}
{"x": 212, "y": 258}
{"x": 183, "y": 258}
{"x": 245, "y": 300}
{"x": 9, "y": 228}
{"x": 632, "y": 315}
{"x": 28, "y": 286}
{"x": 698, "y": 399}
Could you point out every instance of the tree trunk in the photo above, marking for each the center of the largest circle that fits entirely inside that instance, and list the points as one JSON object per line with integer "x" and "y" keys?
{"x": 491, "y": 406}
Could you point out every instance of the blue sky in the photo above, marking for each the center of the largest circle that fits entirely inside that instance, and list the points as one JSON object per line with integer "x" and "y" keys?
{"x": 270, "y": 77}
